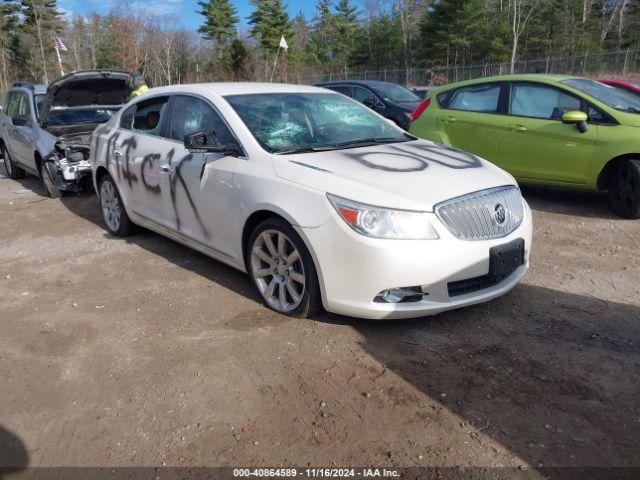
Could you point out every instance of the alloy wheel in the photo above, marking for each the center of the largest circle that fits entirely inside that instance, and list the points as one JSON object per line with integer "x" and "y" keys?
{"x": 277, "y": 269}
{"x": 110, "y": 206}
{"x": 625, "y": 187}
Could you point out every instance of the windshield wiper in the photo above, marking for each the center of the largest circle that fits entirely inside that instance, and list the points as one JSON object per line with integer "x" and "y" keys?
{"x": 362, "y": 142}
{"x": 303, "y": 149}
{"x": 368, "y": 141}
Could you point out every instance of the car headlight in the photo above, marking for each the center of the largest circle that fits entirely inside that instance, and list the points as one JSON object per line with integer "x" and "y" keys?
{"x": 379, "y": 222}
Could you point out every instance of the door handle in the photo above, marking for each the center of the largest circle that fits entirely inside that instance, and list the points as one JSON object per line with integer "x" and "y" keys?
{"x": 117, "y": 152}
{"x": 166, "y": 169}
{"x": 518, "y": 128}
{"x": 449, "y": 119}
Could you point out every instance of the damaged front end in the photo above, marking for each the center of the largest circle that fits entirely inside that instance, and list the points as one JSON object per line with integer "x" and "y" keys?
{"x": 68, "y": 163}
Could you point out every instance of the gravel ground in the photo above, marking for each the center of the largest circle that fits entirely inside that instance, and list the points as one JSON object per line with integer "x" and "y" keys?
{"x": 141, "y": 352}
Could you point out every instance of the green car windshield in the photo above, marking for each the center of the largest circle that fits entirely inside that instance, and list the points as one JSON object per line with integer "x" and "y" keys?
{"x": 610, "y": 96}
{"x": 298, "y": 122}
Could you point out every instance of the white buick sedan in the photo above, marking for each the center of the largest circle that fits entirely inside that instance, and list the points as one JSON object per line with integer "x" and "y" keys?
{"x": 323, "y": 202}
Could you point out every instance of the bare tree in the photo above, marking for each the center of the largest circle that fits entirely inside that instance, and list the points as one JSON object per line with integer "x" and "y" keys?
{"x": 521, "y": 13}
{"x": 610, "y": 11}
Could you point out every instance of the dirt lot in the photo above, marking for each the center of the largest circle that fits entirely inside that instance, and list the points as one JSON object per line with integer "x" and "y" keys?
{"x": 141, "y": 352}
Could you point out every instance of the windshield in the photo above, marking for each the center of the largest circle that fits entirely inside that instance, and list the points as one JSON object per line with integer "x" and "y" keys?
{"x": 39, "y": 100}
{"x": 293, "y": 122}
{"x": 611, "y": 96}
{"x": 395, "y": 93}
{"x": 76, "y": 117}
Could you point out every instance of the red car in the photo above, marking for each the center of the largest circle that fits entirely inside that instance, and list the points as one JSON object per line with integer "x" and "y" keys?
{"x": 633, "y": 87}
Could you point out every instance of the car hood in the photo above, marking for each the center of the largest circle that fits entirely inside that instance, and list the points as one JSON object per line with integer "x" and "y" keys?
{"x": 88, "y": 89}
{"x": 414, "y": 175}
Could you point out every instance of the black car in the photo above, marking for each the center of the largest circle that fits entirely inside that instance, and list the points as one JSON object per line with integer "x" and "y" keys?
{"x": 388, "y": 99}
{"x": 421, "y": 91}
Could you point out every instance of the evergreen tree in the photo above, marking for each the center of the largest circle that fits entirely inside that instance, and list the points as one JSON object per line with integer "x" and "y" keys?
{"x": 41, "y": 23}
{"x": 9, "y": 22}
{"x": 345, "y": 24}
{"x": 220, "y": 21}
{"x": 237, "y": 58}
{"x": 269, "y": 21}
{"x": 322, "y": 35}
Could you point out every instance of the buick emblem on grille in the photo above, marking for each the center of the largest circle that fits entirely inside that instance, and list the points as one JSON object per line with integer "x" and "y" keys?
{"x": 500, "y": 214}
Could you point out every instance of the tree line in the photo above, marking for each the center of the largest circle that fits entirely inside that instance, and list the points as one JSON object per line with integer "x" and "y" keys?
{"x": 340, "y": 36}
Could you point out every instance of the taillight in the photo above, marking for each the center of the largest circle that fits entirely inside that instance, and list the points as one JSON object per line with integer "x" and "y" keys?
{"x": 421, "y": 108}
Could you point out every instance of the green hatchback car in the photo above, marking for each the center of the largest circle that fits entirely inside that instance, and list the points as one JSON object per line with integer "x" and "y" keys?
{"x": 543, "y": 129}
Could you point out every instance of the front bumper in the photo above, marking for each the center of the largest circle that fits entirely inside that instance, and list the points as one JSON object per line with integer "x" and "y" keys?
{"x": 354, "y": 269}
{"x": 67, "y": 175}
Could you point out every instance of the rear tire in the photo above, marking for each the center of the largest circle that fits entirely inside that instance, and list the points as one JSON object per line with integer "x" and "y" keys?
{"x": 13, "y": 171}
{"x": 113, "y": 212}
{"x": 624, "y": 189}
{"x": 282, "y": 270}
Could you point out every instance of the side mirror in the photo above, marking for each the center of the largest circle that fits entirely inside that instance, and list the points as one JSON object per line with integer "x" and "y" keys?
{"x": 21, "y": 120}
{"x": 207, "y": 142}
{"x": 577, "y": 118}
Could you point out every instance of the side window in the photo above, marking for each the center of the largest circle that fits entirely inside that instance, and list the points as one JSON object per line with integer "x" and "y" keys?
{"x": 25, "y": 108}
{"x": 126, "y": 119}
{"x": 361, "y": 95}
{"x": 595, "y": 115}
{"x": 191, "y": 115}
{"x": 476, "y": 98}
{"x": 39, "y": 101}
{"x": 342, "y": 90}
{"x": 541, "y": 101}
{"x": 442, "y": 97}
{"x": 149, "y": 115}
{"x": 10, "y": 104}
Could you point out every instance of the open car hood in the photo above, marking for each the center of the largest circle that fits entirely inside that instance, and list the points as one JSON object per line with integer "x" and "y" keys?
{"x": 88, "y": 89}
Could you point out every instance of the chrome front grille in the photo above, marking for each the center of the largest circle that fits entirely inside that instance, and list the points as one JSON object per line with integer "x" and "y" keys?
{"x": 483, "y": 215}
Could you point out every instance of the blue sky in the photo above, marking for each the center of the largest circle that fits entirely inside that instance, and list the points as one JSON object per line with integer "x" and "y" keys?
{"x": 183, "y": 10}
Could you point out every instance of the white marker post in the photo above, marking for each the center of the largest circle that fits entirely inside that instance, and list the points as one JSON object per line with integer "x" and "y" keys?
{"x": 283, "y": 45}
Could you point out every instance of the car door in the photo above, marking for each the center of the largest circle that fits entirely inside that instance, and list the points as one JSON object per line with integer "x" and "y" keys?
{"x": 199, "y": 193}
{"x": 535, "y": 144}
{"x": 140, "y": 151}
{"x": 470, "y": 119}
{"x": 11, "y": 105}
{"x": 369, "y": 99}
{"x": 21, "y": 137}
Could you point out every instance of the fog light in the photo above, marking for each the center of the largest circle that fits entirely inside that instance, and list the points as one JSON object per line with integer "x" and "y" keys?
{"x": 400, "y": 295}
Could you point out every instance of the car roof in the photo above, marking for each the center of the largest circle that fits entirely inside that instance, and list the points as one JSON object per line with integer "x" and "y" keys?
{"x": 541, "y": 78}
{"x": 37, "y": 89}
{"x": 370, "y": 83}
{"x": 236, "y": 88}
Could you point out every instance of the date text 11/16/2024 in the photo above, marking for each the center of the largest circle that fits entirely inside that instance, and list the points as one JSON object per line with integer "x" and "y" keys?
{"x": 316, "y": 472}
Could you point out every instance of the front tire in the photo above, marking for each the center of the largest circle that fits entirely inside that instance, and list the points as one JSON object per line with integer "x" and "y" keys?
{"x": 52, "y": 190}
{"x": 624, "y": 189}
{"x": 282, "y": 270}
{"x": 113, "y": 212}
{"x": 13, "y": 171}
